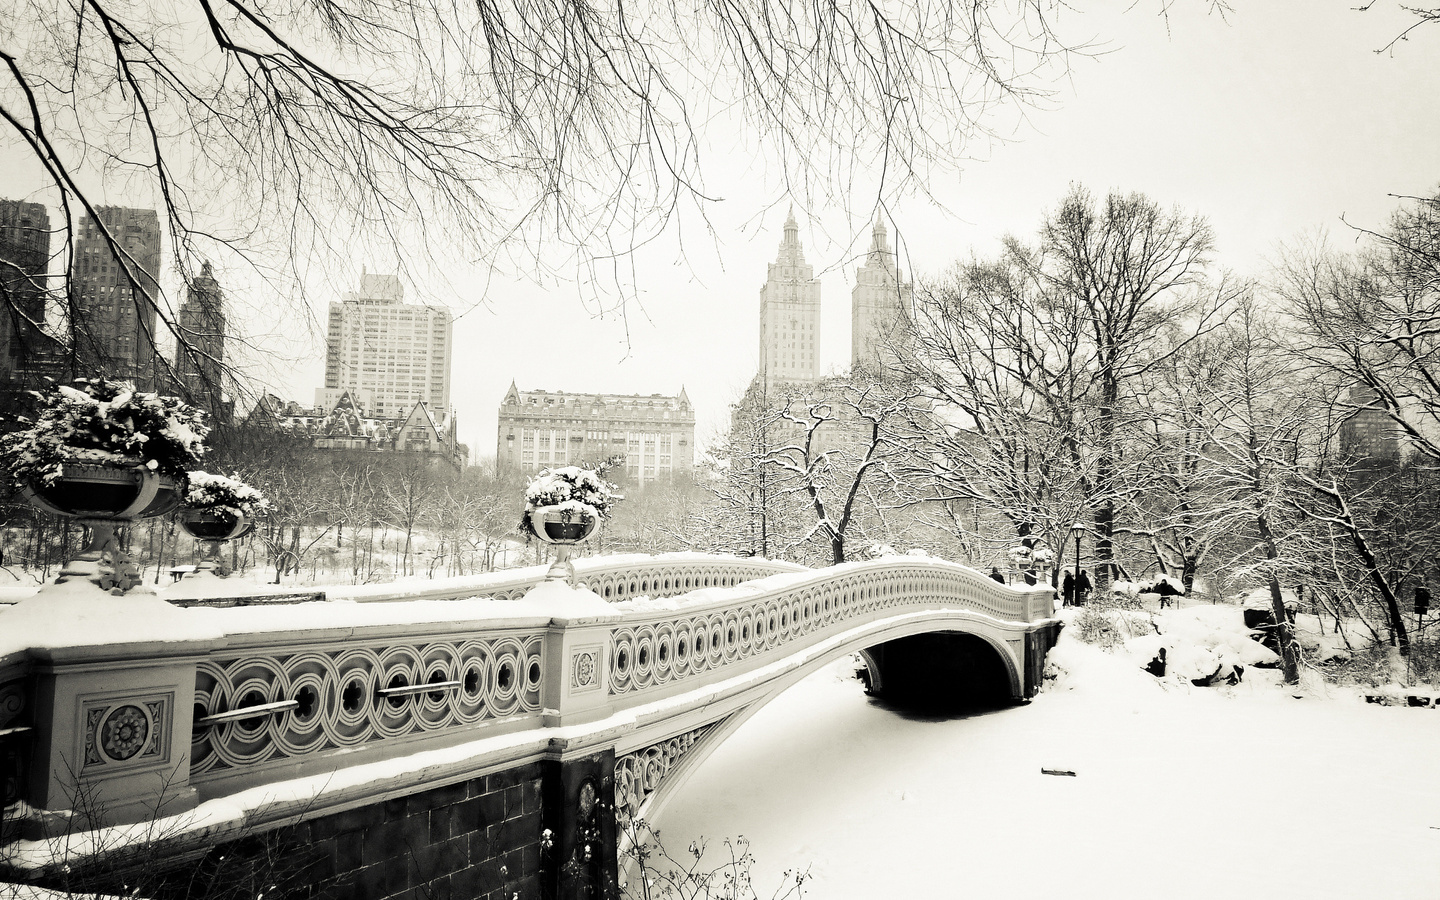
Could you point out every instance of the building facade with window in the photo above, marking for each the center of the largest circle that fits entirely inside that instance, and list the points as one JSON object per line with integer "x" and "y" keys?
{"x": 395, "y": 353}
{"x": 544, "y": 429}
{"x": 115, "y": 279}
{"x": 29, "y": 357}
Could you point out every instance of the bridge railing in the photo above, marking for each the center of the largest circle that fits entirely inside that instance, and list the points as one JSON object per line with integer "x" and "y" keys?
{"x": 612, "y": 577}
{"x": 712, "y": 634}
{"x": 280, "y": 693}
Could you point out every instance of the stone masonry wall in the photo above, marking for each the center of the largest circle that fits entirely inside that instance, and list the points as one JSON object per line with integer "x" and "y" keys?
{"x": 473, "y": 840}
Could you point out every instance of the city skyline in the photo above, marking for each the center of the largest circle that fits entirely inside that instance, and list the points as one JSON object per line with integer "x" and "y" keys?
{"x": 1273, "y": 123}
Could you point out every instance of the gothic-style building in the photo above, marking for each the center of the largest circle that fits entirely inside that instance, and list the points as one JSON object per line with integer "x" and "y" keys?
{"x": 200, "y": 349}
{"x": 790, "y": 314}
{"x": 348, "y": 425}
{"x": 880, "y": 305}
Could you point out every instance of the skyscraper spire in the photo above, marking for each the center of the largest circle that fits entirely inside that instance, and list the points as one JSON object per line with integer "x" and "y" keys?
{"x": 790, "y": 313}
{"x": 879, "y": 302}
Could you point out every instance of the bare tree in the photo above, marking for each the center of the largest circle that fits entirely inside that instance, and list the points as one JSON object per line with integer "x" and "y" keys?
{"x": 1134, "y": 274}
{"x": 1006, "y": 376}
{"x": 276, "y": 139}
{"x": 409, "y": 488}
{"x": 1373, "y": 318}
{"x": 842, "y": 448}
{"x": 1256, "y": 426}
{"x": 1042, "y": 355}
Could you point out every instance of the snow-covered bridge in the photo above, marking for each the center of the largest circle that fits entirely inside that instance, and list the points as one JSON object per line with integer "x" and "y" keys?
{"x": 436, "y": 744}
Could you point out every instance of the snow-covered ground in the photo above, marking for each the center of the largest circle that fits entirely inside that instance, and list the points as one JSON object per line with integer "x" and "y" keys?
{"x": 1179, "y": 792}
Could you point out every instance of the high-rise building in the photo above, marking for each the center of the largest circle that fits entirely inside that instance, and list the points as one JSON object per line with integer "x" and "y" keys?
{"x": 1369, "y": 437}
{"x": 790, "y": 314}
{"x": 200, "y": 350}
{"x": 24, "y": 259}
{"x": 29, "y": 358}
{"x": 540, "y": 429}
{"x": 880, "y": 304}
{"x": 395, "y": 353}
{"x": 115, "y": 286}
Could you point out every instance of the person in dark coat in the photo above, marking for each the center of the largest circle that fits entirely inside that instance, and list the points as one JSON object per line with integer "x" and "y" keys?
{"x": 1067, "y": 589}
{"x": 995, "y": 575}
{"x": 1082, "y": 588}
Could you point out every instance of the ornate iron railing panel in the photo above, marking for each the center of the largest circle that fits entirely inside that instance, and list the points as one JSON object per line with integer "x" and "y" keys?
{"x": 346, "y": 695}
{"x": 665, "y": 648}
{"x": 638, "y": 774}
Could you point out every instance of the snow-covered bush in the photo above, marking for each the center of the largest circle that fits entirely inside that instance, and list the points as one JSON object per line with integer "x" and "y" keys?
{"x": 1093, "y": 626}
{"x": 1123, "y": 594}
{"x": 580, "y": 495}
{"x": 107, "y": 423}
{"x": 220, "y": 494}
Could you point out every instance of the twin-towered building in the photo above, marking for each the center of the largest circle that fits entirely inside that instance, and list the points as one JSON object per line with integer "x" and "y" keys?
{"x": 790, "y": 323}
{"x": 656, "y": 434}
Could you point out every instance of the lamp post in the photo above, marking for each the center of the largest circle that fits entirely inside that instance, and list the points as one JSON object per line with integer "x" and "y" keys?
{"x": 1077, "y": 529}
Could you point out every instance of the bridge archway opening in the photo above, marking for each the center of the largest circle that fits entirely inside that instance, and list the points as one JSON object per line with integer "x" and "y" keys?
{"x": 938, "y": 672}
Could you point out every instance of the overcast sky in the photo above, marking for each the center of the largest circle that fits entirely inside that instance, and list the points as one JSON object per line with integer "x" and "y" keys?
{"x": 1273, "y": 122}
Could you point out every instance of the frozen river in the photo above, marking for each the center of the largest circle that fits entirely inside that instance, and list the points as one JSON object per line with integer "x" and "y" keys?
{"x": 1178, "y": 793}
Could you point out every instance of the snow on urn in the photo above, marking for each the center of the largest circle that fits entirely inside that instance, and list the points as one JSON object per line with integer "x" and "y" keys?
{"x": 105, "y": 454}
{"x": 218, "y": 509}
{"x": 564, "y": 506}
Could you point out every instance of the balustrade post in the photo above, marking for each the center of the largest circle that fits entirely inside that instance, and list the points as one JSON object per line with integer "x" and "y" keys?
{"x": 112, "y": 735}
{"x": 577, "y": 677}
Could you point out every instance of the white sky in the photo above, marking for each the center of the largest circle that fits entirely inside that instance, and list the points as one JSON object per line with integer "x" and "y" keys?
{"x": 1273, "y": 122}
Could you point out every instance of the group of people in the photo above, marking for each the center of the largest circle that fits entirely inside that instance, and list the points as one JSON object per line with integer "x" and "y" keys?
{"x": 1073, "y": 591}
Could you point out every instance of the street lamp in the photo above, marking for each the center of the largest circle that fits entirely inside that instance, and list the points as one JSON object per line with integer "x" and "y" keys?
{"x": 1077, "y": 529}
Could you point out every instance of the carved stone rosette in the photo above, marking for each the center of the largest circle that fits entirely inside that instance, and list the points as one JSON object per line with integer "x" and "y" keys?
{"x": 124, "y": 732}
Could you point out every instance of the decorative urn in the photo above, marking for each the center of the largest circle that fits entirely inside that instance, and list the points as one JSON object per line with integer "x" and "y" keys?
{"x": 105, "y": 454}
{"x": 563, "y": 507}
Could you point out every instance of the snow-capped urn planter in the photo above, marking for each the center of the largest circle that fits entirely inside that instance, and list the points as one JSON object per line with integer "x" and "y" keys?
{"x": 103, "y": 453}
{"x": 217, "y": 509}
{"x": 564, "y": 506}
{"x": 1030, "y": 559}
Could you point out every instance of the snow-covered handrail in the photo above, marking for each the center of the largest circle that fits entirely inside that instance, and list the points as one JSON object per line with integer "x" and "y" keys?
{"x": 612, "y": 577}
{"x": 705, "y": 631}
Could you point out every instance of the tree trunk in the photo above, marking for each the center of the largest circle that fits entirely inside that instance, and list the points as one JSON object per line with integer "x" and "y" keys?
{"x": 1277, "y": 605}
{"x": 1189, "y": 566}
